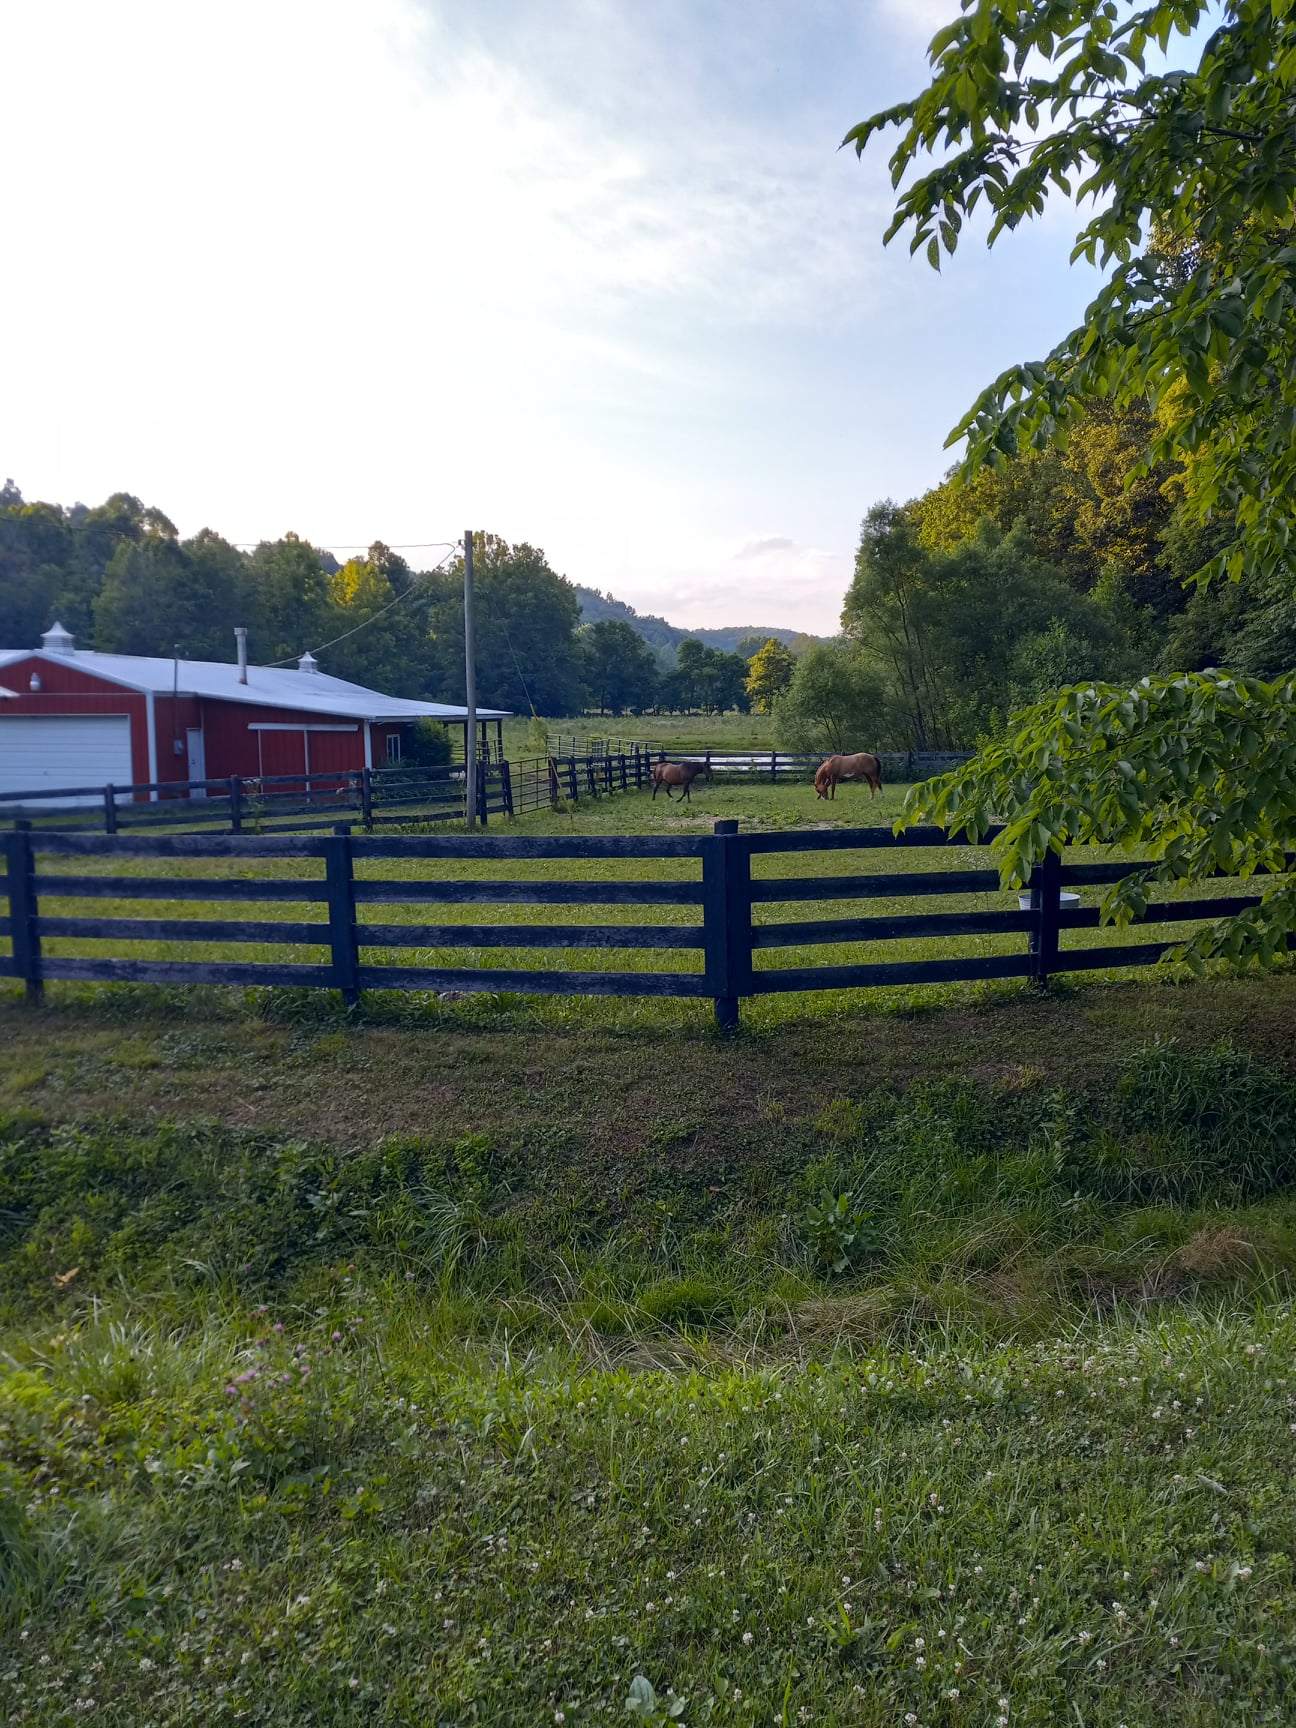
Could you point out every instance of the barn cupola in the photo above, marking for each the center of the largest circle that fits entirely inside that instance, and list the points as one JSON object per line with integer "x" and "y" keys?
{"x": 308, "y": 663}
{"x": 57, "y": 640}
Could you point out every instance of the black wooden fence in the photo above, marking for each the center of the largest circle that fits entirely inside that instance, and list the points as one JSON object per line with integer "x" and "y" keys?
{"x": 376, "y": 797}
{"x": 727, "y": 885}
{"x": 383, "y": 797}
{"x": 539, "y": 782}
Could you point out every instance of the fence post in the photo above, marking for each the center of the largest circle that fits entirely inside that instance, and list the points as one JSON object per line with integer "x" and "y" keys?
{"x": 1046, "y": 906}
{"x": 506, "y": 785}
{"x": 638, "y": 768}
{"x": 571, "y": 780}
{"x": 726, "y": 921}
{"x": 110, "y": 809}
{"x": 342, "y": 917}
{"x": 774, "y": 766}
{"x": 24, "y": 912}
{"x": 589, "y": 775}
{"x": 236, "y": 804}
{"x": 481, "y": 792}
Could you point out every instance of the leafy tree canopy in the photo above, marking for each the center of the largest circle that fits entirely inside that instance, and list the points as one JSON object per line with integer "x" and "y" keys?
{"x": 1091, "y": 766}
{"x": 959, "y": 636}
{"x": 769, "y": 673}
{"x": 526, "y": 616}
{"x": 620, "y": 666}
{"x": 836, "y": 702}
{"x": 1193, "y": 181}
{"x": 707, "y": 679}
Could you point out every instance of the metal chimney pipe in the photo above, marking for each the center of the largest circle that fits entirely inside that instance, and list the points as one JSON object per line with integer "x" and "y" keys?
{"x": 240, "y": 636}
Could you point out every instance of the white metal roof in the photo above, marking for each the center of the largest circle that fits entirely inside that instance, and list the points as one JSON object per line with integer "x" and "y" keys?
{"x": 267, "y": 686}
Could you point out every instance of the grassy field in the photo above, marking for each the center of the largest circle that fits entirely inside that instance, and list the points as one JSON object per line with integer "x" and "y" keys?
{"x": 431, "y": 1372}
{"x": 916, "y": 1358}
{"x": 680, "y": 733}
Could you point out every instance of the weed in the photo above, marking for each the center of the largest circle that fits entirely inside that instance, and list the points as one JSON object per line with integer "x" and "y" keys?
{"x": 840, "y": 1233}
{"x": 644, "y": 1703}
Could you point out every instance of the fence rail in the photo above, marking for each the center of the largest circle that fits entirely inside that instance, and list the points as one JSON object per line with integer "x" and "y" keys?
{"x": 275, "y": 803}
{"x": 345, "y": 912}
{"x": 379, "y": 797}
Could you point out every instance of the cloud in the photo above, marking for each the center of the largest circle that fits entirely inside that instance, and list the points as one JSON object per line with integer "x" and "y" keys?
{"x": 782, "y": 583}
{"x": 763, "y": 548}
{"x": 592, "y": 274}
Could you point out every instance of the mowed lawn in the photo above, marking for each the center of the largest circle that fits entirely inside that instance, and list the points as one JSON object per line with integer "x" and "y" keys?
{"x": 757, "y": 805}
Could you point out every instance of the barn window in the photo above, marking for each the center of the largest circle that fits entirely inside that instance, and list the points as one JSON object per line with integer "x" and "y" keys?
{"x": 393, "y": 747}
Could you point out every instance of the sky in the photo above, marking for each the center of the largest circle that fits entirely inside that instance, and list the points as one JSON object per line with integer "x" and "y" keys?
{"x": 592, "y": 274}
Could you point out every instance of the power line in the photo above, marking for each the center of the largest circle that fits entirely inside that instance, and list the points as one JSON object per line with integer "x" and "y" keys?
{"x": 351, "y": 545}
{"x": 410, "y": 593}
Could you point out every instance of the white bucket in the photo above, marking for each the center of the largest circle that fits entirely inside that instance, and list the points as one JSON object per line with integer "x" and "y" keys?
{"x": 1024, "y": 900}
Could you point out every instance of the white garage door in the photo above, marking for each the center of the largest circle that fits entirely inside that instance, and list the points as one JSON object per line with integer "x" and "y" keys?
{"x": 41, "y": 753}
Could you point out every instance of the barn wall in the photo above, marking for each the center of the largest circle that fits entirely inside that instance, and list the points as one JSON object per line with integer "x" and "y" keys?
{"x": 232, "y": 745}
{"x": 66, "y": 689}
{"x": 173, "y": 718}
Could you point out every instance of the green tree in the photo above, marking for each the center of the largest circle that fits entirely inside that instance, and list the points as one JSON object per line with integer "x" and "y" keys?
{"x": 1000, "y": 618}
{"x": 728, "y": 685}
{"x": 526, "y": 617}
{"x": 96, "y": 536}
{"x": 376, "y": 633}
{"x": 1191, "y": 177}
{"x": 836, "y": 703}
{"x": 35, "y": 549}
{"x": 769, "y": 673}
{"x": 707, "y": 679}
{"x": 1194, "y": 189}
{"x": 213, "y": 593}
{"x": 889, "y": 609}
{"x": 295, "y": 609}
{"x": 1091, "y": 767}
{"x": 691, "y": 682}
{"x": 620, "y": 667}
{"x": 426, "y": 745}
{"x": 963, "y": 635}
{"x": 1082, "y": 512}
{"x": 136, "y": 610}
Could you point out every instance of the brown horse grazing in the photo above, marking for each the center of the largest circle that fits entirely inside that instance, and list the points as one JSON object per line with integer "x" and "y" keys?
{"x": 861, "y": 766}
{"x": 683, "y": 774}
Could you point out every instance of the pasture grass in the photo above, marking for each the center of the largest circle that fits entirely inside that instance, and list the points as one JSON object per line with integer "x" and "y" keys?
{"x": 677, "y": 733}
{"x": 364, "y": 1374}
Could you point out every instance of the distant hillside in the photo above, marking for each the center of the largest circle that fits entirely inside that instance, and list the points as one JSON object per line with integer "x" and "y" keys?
{"x": 666, "y": 638}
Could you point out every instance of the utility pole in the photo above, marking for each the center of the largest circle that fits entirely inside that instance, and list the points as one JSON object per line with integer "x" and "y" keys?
{"x": 470, "y": 690}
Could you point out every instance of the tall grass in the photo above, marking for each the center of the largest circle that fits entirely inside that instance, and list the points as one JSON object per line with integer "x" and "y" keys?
{"x": 496, "y": 1426}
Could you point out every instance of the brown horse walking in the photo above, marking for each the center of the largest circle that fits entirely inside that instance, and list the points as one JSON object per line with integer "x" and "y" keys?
{"x": 861, "y": 766}
{"x": 683, "y": 774}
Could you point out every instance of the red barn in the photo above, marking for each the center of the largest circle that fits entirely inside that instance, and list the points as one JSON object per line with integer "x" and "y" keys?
{"x": 72, "y": 717}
